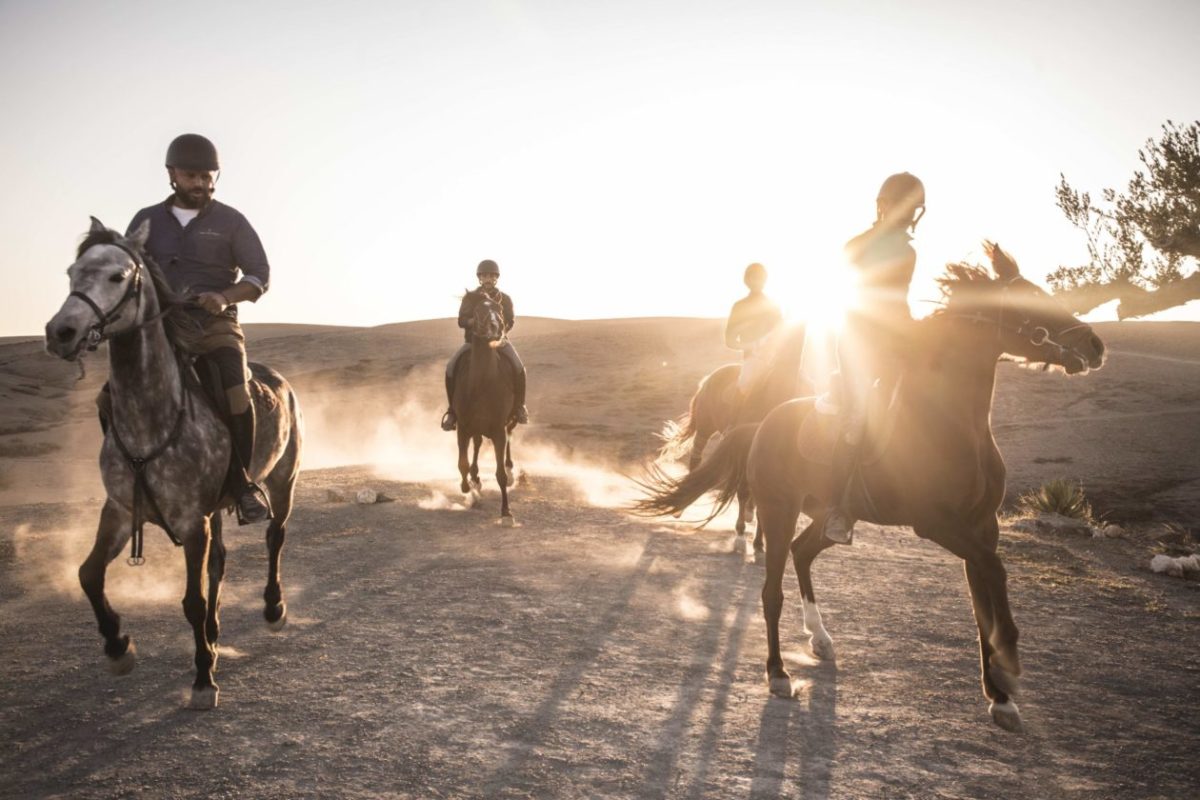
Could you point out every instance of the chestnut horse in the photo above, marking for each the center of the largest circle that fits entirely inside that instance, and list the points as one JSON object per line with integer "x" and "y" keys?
{"x": 939, "y": 470}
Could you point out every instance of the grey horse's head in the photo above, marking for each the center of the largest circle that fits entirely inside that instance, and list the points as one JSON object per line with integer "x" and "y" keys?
{"x": 108, "y": 282}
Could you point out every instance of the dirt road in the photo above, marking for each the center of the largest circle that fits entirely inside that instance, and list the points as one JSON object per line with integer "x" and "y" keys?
{"x": 430, "y": 653}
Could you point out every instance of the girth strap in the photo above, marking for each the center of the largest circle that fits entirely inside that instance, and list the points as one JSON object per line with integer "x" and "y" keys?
{"x": 141, "y": 489}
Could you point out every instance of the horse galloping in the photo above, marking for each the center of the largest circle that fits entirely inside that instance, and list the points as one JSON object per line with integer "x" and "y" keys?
{"x": 166, "y": 454}
{"x": 484, "y": 402}
{"x": 939, "y": 471}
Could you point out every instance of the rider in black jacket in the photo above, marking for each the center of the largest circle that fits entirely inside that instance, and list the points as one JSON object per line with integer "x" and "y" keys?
{"x": 488, "y": 273}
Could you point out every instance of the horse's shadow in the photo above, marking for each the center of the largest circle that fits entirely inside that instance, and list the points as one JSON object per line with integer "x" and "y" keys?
{"x": 803, "y": 729}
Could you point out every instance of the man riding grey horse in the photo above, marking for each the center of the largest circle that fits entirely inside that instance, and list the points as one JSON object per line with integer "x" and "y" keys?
{"x": 210, "y": 253}
{"x": 488, "y": 273}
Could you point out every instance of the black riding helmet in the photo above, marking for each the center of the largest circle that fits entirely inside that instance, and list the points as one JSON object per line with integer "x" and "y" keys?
{"x": 487, "y": 267}
{"x": 193, "y": 151}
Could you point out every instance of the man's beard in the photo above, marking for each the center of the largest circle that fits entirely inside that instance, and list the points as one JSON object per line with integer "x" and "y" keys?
{"x": 198, "y": 198}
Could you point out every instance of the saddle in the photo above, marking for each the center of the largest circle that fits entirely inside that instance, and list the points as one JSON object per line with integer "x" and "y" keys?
{"x": 819, "y": 431}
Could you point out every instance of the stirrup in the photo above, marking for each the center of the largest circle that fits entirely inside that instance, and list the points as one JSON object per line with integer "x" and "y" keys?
{"x": 252, "y": 505}
{"x": 449, "y": 421}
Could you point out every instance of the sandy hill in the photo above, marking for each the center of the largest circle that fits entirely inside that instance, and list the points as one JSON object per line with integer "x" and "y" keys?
{"x": 601, "y": 388}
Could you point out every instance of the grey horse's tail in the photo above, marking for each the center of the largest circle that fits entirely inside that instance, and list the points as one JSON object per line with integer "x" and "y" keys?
{"x": 724, "y": 471}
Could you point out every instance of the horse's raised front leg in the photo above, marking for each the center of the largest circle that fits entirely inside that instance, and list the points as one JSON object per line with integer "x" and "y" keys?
{"x": 1000, "y": 666}
{"x": 216, "y": 573}
{"x": 282, "y": 498}
{"x": 500, "y": 445}
{"x": 804, "y": 550}
{"x": 779, "y": 523}
{"x": 195, "y": 608}
{"x": 111, "y": 536}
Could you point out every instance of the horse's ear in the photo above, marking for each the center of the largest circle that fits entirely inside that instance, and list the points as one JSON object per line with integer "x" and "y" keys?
{"x": 140, "y": 234}
{"x": 1002, "y": 263}
{"x": 97, "y": 226}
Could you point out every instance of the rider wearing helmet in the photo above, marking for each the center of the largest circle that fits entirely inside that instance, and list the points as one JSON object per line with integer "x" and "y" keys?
{"x": 488, "y": 274}
{"x": 210, "y": 253}
{"x": 876, "y": 328}
{"x": 751, "y": 320}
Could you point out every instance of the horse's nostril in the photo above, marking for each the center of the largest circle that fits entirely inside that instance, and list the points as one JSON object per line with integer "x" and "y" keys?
{"x": 65, "y": 334}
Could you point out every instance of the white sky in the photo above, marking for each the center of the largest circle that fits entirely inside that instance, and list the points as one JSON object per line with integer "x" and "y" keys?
{"x": 616, "y": 159}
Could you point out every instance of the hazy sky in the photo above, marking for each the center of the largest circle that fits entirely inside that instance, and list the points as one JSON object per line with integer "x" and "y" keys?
{"x": 616, "y": 158}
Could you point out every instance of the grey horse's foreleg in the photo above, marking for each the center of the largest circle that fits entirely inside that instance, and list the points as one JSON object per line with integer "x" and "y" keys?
{"x": 195, "y": 608}
{"x": 111, "y": 535}
{"x": 216, "y": 573}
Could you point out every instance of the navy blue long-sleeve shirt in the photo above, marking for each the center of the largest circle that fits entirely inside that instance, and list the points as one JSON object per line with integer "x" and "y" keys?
{"x": 207, "y": 255}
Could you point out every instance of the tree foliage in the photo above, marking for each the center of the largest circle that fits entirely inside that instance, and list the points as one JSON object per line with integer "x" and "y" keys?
{"x": 1143, "y": 243}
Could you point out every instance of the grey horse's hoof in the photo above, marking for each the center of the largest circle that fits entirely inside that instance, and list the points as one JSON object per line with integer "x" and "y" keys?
{"x": 1007, "y": 716}
{"x": 204, "y": 699}
{"x": 276, "y": 625}
{"x": 124, "y": 663}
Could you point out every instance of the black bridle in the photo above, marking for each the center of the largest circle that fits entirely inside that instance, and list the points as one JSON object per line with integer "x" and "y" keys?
{"x": 95, "y": 334}
{"x": 1036, "y": 334}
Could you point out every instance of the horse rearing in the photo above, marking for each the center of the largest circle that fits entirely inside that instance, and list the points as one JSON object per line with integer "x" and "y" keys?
{"x": 483, "y": 402}
{"x": 166, "y": 454}
{"x": 940, "y": 471}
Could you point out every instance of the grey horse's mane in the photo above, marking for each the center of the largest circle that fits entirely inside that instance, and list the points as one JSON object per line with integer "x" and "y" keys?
{"x": 182, "y": 331}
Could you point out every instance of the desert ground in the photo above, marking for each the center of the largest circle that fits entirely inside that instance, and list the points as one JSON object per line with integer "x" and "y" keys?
{"x": 589, "y": 653}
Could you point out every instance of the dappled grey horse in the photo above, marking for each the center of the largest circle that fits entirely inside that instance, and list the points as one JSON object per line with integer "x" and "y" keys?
{"x": 166, "y": 454}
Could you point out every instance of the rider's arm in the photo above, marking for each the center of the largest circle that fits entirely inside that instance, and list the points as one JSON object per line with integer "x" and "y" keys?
{"x": 216, "y": 302}
{"x": 464, "y": 311}
{"x": 251, "y": 259}
{"x": 506, "y": 306}
{"x": 734, "y": 328}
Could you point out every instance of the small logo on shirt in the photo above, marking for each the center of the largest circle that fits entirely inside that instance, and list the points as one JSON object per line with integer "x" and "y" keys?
{"x": 209, "y": 232}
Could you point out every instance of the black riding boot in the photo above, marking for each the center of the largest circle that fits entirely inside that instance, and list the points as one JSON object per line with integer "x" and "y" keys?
{"x": 839, "y": 527}
{"x": 252, "y": 503}
{"x": 520, "y": 413}
{"x": 449, "y": 419}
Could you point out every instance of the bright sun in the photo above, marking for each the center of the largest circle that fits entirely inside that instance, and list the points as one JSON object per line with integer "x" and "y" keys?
{"x": 819, "y": 297}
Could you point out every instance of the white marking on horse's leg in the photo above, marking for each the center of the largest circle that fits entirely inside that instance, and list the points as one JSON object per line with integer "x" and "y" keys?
{"x": 821, "y": 642}
{"x": 204, "y": 698}
{"x": 741, "y": 545}
{"x": 1006, "y": 715}
{"x": 507, "y": 522}
{"x": 124, "y": 663}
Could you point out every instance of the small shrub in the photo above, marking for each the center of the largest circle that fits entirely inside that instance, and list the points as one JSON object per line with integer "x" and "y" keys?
{"x": 1059, "y": 496}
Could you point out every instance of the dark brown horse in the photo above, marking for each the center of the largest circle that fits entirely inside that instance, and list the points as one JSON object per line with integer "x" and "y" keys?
{"x": 166, "y": 453}
{"x": 483, "y": 403}
{"x": 718, "y": 406}
{"x": 939, "y": 470}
